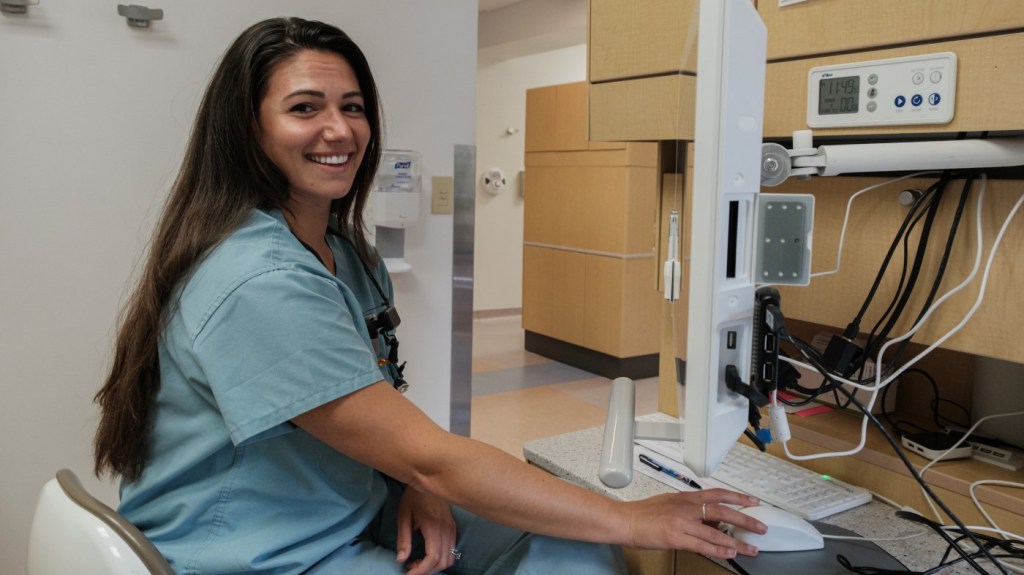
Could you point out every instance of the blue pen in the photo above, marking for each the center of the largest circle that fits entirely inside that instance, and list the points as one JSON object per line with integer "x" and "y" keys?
{"x": 668, "y": 471}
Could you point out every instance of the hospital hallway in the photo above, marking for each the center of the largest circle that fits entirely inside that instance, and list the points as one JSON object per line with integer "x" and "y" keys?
{"x": 519, "y": 396}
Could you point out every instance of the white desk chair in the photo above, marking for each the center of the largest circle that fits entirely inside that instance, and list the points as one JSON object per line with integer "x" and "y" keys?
{"x": 73, "y": 532}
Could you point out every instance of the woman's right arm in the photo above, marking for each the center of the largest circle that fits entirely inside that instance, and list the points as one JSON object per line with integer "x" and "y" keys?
{"x": 379, "y": 427}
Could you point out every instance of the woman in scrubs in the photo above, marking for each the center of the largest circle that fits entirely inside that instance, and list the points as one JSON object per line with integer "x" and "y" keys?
{"x": 251, "y": 408}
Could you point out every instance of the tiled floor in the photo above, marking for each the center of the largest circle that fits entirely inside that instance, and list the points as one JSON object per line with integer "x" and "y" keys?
{"x": 519, "y": 396}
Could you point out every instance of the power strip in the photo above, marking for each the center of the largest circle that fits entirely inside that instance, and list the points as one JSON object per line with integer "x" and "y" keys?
{"x": 1000, "y": 456}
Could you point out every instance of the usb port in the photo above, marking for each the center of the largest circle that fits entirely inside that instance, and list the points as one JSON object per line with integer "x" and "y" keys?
{"x": 766, "y": 373}
{"x": 769, "y": 342}
{"x": 730, "y": 340}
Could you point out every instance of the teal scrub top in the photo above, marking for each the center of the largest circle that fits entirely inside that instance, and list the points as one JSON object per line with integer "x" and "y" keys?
{"x": 260, "y": 333}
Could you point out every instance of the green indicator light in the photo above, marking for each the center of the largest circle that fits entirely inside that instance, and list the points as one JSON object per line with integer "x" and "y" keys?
{"x": 826, "y": 477}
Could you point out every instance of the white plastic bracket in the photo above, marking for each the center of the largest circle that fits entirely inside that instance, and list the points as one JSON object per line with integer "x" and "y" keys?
{"x": 139, "y": 16}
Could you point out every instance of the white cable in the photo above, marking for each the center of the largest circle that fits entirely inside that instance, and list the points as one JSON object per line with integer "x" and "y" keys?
{"x": 846, "y": 218}
{"x": 1003, "y": 563}
{"x": 988, "y": 518}
{"x": 891, "y": 502}
{"x": 874, "y": 389}
{"x": 970, "y": 277}
{"x": 981, "y": 293}
{"x": 967, "y": 317}
{"x": 974, "y": 308}
{"x": 1005, "y": 534}
{"x": 923, "y": 470}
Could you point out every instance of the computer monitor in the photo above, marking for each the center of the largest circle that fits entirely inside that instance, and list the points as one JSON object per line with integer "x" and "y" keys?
{"x": 731, "y": 56}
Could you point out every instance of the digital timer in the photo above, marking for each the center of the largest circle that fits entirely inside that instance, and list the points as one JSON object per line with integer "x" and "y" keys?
{"x": 839, "y": 95}
{"x": 896, "y": 91}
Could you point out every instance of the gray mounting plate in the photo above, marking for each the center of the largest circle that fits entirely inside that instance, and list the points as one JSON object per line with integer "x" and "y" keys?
{"x": 785, "y": 223}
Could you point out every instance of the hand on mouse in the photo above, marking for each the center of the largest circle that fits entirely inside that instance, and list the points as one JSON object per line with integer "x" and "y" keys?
{"x": 688, "y": 520}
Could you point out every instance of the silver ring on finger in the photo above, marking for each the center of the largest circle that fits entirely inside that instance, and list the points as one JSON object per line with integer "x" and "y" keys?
{"x": 703, "y": 512}
{"x": 455, "y": 553}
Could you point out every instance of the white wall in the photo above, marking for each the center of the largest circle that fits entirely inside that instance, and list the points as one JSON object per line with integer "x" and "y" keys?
{"x": 501, "y": 104}
{"x": 93, "y": 116}
{"x": 524, "y": 27}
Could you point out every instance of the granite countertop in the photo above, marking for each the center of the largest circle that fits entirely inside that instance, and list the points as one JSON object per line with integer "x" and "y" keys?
{"x": 575, "y": 457}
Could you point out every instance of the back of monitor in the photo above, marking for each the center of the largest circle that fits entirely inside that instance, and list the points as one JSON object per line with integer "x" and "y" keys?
{"x": 730, "y": 108}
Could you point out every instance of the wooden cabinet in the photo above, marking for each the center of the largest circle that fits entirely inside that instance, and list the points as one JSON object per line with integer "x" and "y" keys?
{"x": 635, "y": 38}
{"x": 816, "y": 28}
{"x": 990, "y": 79}
{"x": 644, "y": 109}
{"x": 590, "y": 226}
{"x": 600, "y": 303}
{"x": 642, "y": 56}
{"x": 642, "y": 61}
{"x": 559, "y": 120}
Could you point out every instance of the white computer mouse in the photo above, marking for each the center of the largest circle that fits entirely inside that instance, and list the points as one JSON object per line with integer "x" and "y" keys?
{"x": 786, "y": 531}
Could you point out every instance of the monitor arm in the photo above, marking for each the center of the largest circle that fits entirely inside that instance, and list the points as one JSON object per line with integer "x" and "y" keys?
{"x": 805, "y": 160}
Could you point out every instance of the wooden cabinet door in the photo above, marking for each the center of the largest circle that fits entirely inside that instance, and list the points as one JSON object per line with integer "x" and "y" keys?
{"x": 556, "y": 118}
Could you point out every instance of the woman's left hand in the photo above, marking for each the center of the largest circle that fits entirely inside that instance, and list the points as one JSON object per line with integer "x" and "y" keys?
{"x": 418, "y": 511}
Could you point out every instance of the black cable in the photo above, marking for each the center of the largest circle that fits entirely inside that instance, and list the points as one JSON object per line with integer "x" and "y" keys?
{"x": 941, "y": 272}
{"x": 854, "y": 327}
{"x": 937, "y": 400}
{"x": 926, "y": 206}
{"x": 913, "y": 472}
{"x": 812, "y": 393}
{"x": 901, "y": 293}
{"x": 896, "y": 425}
{"x": 892, "y": 362}
{"x": 874, "y": 343}
{"x": 912, "y": 219}
{"x": 1009, "y": 548}
{"x": 863, "y": 570}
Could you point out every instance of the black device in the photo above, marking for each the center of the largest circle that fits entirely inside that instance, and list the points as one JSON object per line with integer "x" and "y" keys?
{"x": 764, "y": 365}
{"x": 386, "y": 320}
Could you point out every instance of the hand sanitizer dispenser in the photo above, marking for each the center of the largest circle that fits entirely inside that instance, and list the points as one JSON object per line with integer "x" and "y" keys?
{"x": 395, "y": 205}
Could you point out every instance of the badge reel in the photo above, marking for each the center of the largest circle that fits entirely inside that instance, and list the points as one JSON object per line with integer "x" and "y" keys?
{"x": 383, "y": 324}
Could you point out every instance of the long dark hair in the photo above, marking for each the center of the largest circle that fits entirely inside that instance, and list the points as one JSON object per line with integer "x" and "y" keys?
{"x": 223, "y": 177}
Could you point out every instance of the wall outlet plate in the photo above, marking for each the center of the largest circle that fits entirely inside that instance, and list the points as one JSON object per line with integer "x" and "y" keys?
{"x": 442, "y": 195}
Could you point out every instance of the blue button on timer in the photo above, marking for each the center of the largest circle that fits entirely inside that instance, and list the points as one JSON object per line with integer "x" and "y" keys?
{"x": 916, "y": 99}
{"x": 934, "y": 99}
{"x": 900, "y": 101}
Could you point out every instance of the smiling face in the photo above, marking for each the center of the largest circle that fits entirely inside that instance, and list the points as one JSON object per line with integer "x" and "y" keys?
{"x": 313, "y": 127}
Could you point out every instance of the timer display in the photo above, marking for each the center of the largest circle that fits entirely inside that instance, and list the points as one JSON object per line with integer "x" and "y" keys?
{"x": 839, "y": 95}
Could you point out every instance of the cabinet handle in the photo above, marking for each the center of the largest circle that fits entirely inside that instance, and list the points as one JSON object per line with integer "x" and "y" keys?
{"x": 139, "y": 16}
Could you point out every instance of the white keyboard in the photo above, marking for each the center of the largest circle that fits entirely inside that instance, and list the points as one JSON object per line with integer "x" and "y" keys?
{"x": 787, "y": 485}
